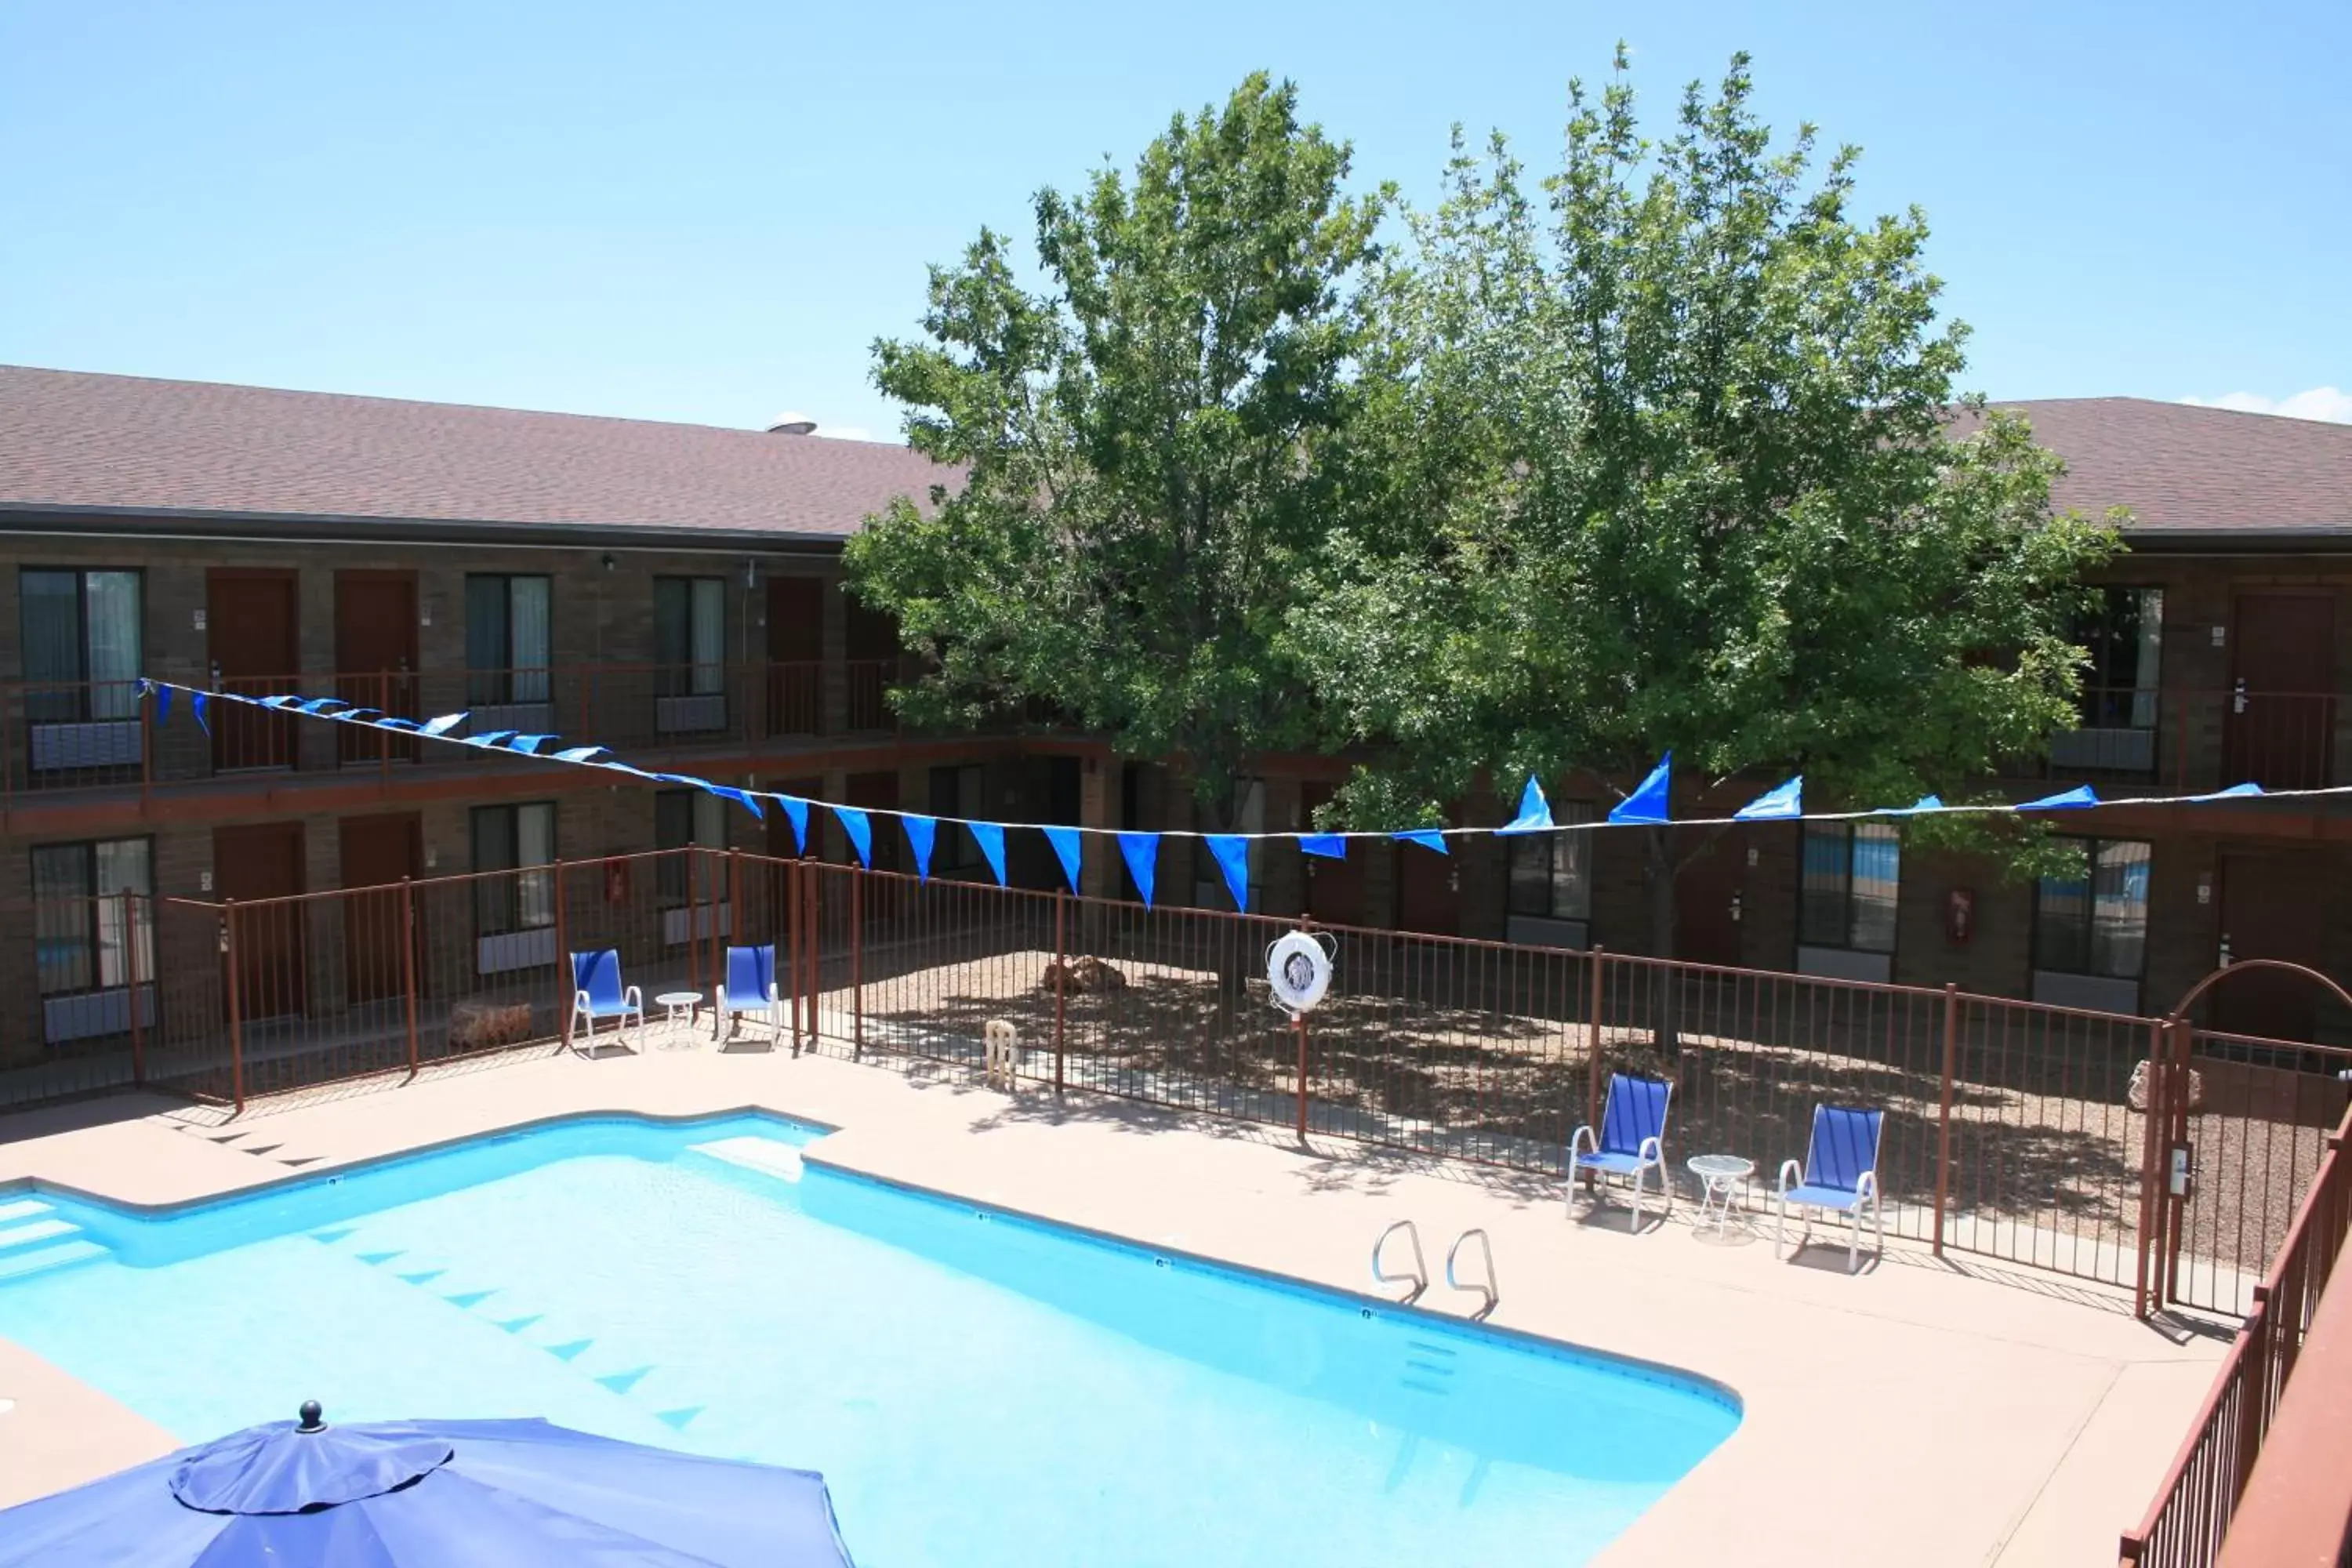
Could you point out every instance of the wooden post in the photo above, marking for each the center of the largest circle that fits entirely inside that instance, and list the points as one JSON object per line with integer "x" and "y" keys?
{"x": 138, "y": 1033}
{"x": 408, "y": 962}
{"x": 856, "y": 965}
{"x": 235, "y": 1021}
{"x": 1944, "y": 1108}
{"x": 1061, "y": 979}
{"x": 567, "y": 984}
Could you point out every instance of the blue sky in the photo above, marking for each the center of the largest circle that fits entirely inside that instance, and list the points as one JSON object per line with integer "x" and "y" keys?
{"x": 707, "y": 212}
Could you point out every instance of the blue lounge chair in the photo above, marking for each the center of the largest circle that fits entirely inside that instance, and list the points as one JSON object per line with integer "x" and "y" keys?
{"x": 750, "y": 987}
{"x": 1631, "y": 1143}
{"x": 598, "y": 994}
{"x": 1839, "y": 1173}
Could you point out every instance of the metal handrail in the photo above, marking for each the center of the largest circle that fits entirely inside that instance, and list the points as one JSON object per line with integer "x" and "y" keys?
{"x": 1489, "y": 1285}
{"x": 1420, "y": 1275}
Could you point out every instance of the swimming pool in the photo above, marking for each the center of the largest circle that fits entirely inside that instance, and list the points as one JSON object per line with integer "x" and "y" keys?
{"x": 979, "y": 1389}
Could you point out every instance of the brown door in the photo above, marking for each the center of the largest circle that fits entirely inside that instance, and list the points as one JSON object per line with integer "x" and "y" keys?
{"x": 1705, "y": 931}
{"x": 1334, "y": 889}
{"x": 1429, "y": 890}
{"x": 375, "y": 658}
{"x": 2282, "y": 721}
{"x": 250, "y": 631}
{"x": 795, "y": 655}
{"x": 377, "y": 852}
{"x": 264, "y": 860}
{"x": 2271, "y": 907}
{"x": 872, "y": 651}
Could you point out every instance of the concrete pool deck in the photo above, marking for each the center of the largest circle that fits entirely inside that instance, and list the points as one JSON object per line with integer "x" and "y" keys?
{"x": 1922, "y": 1411}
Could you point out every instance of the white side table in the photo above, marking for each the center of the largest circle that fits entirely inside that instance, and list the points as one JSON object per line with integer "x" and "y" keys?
{"x": 679, "y": 1006}
{"x": 1724, "y": 1176}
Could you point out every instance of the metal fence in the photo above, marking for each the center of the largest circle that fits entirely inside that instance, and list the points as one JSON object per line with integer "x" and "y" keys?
{"x": 2012, "y": 1131}
{"x": 2191, "y": 1516}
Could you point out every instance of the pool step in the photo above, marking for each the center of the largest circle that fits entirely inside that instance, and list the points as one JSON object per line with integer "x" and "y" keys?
{"x": 1429, "y": 1368}
{"x": 23, "y": 1208}
{"x": 766, "y": 1156}
{"x": 18, "y": 1264}
{"x": 32, "y": 1230}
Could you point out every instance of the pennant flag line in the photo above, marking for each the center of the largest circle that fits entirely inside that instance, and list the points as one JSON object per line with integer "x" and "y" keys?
{"x": 1787, "y": 800}
{"x": 1427, "y": 837}
{"x": 1064, "y": 841}
{"x": 1142, "y": 852}
{"x": 922, "y": 831}
{"x": 1535, "y": 811}
{"x": 860, "y": 831}
{"x": 1231, "y": 852}
{"x": 1648, "y": 802}
{"x": 990, "y": 837}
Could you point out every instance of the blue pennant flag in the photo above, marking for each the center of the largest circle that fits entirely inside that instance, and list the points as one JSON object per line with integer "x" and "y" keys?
{"x": 1232, "y": 851}
{"x": 162, "y": 702}
{"x": 860, "y": 831}
{"x": 990, "y": 837}
{"x": 1064, "y": 841}
{"x": 921, "y": 833}
{"x": 197, "y": 702}
{"x": 1142, "y": 852}
{"x": 1651, "y": 802}
{"x": 1787, "y": 800}
{"x": 580, "y": 755}
{"x": 444, "y": 724}
{"x": 367, "y": 716}
{"x": 2233, "y": 792}
{"x": 2074, "y": 799}
{"x": 740, "y": 796}
{"x": 1535, "y": 811}
{"x": 1427, "y": 837}
{"x": 406, "y": 726}
{"x": 491, "y": 740}
{"x": 1925, "y": 803}
{"x": 529, "y": 745}
{"x": 1330, "y": 845}
{"x": 320, "y": 705}
{"x": 797, "y": 810}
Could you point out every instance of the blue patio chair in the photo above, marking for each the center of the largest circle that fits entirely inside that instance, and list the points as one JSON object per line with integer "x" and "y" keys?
{"x": 598, "y": 994}
{"x": 750, "y": 987}
{"x": 1631, "y": 1143}
{"x": 1840, "y": 1174}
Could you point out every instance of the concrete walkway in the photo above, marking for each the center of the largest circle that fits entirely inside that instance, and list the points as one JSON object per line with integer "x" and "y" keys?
{"x": 1967, "y": 1417}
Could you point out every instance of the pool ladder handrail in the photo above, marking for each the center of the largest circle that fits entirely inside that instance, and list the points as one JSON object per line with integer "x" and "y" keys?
{"x": 1420, "y": 1275}
{"x": 1488, "y": 1286}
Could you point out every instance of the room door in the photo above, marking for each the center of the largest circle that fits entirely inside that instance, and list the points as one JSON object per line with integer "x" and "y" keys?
{"x": 2271, "y": 908}
{"x": 377, "y": 852}
{"x": 249, "y": 633}
{"x": 264, "y": 861}
{"x": 1334, "y": 893}
{"x": 872, "y": 640}
{"x": 1704, "y": 929}
{"x": 795, "y": 655}
{"x": 2281, "y": 716}
{"x": 375, "y": 658}
{"x": 1429, "y": 890}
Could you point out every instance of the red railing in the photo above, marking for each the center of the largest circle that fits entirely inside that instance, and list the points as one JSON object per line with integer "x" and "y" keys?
{"x": 2197, "y": 1505}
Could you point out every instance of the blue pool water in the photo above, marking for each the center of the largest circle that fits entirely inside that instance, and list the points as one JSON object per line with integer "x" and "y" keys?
{"x": 978, "y": 1389}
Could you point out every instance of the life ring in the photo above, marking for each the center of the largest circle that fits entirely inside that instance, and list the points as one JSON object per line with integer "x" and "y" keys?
{"x": 1298, "y": 970}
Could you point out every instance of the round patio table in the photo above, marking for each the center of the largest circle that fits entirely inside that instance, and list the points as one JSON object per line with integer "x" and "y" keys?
{"x": 1724, "y": 1176}
{"x": 680, "y": 1006}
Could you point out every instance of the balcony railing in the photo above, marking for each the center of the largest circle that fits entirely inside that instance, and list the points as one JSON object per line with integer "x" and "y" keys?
{"x": 98, "y": 735}
{"x": 2183, "y": 741}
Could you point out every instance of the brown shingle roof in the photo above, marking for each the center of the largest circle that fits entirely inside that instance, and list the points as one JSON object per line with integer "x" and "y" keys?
{"x": 73, "y": 441}
{"x": 2185, "y": 470}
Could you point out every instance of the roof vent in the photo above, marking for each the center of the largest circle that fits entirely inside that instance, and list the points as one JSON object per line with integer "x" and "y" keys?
{"x": 791, "y": 423}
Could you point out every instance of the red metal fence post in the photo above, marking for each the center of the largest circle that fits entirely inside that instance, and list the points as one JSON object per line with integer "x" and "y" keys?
{"x": 408, "y": 963}
{"x": 856, "y": 965}
{"x": 1944, "y": 1110}
{"x": 235, "y": 1023}
{"x": 566, "y": 984}
{"x": 2175, "y": 1204}
{"x": 792, "y": 942}
{"x": 2151, "y": 1171}
{"x": 1300, "y": 1025}
{"x": 1592, "y": 1044}
{"x": 1061, "y": 979}
{"x": 138, "y": 1033}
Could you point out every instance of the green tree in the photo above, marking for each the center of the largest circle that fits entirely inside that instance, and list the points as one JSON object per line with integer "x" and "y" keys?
{"x": 1664, "y": 454}
{"x": 1144, "y": 438}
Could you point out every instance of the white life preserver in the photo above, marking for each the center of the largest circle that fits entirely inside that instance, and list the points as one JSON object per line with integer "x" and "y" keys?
{"x": 1298, "y": 969}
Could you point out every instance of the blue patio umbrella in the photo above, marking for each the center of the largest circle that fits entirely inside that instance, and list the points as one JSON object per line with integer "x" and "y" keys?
{"x": 452, "y": 1494}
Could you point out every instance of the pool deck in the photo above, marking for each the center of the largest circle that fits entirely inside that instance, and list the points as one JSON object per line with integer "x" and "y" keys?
{"x": 1921, "y": 1412}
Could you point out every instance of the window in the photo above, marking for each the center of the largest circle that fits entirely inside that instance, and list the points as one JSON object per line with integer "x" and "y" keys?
{"x": 684, "y": 817}
{"x": 1551, "y": 873}
{"x": 1852, "y": 875}
{"x": 513, "y": 838}
{"x": 2124, "y": 632}
{"x": 2095, "y": 921}
{"x": 690, "y": 635}
{"x": 81, "y": 641}
{"x": 507, "y": 655}
{"x": 957, "y": 791}
{"x": 77, "y": 927}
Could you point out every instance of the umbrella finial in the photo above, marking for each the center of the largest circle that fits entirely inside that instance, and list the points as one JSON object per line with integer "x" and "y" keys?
{"x": 312, "y": 1418}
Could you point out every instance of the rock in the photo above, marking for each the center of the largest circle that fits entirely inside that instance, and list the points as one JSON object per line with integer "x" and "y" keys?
{"x": 476, "y": 1024}
{"x": 2136, "y": 1095}
{"x": 1088, "y": 973}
